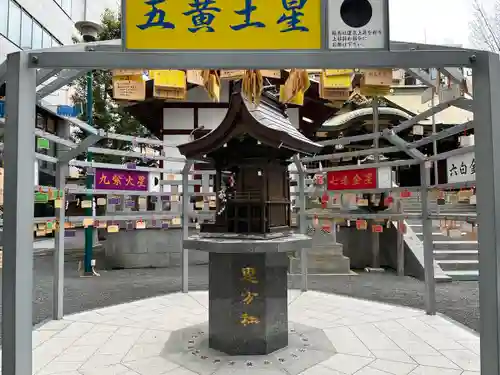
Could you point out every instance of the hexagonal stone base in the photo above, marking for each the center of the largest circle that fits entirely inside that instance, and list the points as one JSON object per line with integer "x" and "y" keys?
{"x": 248, "y": 313}
{"x": 307, "y": 346}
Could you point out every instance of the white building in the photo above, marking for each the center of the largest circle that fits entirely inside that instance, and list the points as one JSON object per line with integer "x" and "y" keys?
{"x": 34, "y": 24}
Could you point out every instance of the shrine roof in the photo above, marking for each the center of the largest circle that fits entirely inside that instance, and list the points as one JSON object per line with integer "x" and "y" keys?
{"x": 273, "y": 118}
{"x": 266, "y": 122}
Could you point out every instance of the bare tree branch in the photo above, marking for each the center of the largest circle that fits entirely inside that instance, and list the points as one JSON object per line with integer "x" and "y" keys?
{"x": 485, "y": 28}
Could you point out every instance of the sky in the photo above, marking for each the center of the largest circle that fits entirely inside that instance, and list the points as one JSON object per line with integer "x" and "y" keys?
{"x": 432, "y": 21}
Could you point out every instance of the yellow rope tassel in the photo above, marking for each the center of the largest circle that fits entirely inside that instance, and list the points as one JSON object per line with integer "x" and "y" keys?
{"x": 298, "y": 81}
{"x": 252, "y": 85}
{"x": 211, "y": 83}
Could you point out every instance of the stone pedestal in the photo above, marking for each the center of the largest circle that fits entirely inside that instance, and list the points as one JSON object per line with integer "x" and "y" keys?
{"x": 248, "y": 303}
{"x": 248, "y": 307}
{"x": 324, "y": 259}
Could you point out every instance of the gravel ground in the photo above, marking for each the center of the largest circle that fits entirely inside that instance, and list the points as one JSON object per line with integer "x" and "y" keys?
{"x": 459, "y": 300}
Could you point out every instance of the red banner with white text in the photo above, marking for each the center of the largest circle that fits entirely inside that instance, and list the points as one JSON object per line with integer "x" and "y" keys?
{"x": 352, "y": 180}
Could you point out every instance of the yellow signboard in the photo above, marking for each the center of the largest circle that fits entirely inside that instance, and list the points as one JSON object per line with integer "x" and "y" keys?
{"x": 222, "y": 24}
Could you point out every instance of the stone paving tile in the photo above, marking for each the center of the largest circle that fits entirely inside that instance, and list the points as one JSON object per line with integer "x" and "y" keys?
{"x": 429, "y": 370}
{"x": 369, "y": 338}
{"x": 392, "y": 367}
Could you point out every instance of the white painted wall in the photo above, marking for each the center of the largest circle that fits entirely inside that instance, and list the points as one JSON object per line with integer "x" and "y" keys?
{"x": 183, "y": 118}
{"x": 199, "y": 95}
{"x": 293, "y": 114}
{"x": 210, "y": 118}
{"x": 173, "y": 151}
{"x": 178, "y": 118}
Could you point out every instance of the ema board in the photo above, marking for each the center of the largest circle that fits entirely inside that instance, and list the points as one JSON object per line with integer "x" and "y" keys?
{"x": 358, "y": 24}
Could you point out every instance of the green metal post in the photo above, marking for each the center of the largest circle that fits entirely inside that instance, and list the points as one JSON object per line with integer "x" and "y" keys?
{"x": 89, "y": 184}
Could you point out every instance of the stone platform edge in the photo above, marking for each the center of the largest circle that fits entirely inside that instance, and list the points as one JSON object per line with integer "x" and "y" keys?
{"x": 292, "y": 242}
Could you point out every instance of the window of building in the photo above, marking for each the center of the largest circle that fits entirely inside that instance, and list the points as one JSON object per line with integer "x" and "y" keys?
{"x": 66, "y": 5}
{"x": 14, "y": 32}
{"x": 37, "y": 36}
{"x": 410, "y": 80}
{"x": 51, "y": 126}
{"x": 47, "y": 39}
{"x": 22, "y": 29}
{"x": 4, "y": 16}
{"x": 26, "y": 31}
{"x": 56, "y": 43}
{"x": 41, "y": 122}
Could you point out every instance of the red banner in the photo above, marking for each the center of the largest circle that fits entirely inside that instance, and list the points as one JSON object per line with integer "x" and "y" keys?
{"x": 351, "y": 180}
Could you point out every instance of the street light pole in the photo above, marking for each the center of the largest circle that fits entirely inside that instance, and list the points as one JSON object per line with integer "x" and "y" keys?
{"x": 89, "y": 31}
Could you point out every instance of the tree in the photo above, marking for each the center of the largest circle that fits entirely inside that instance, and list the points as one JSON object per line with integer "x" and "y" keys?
{"x": 485, "y": 27}
{"x": 107, "y": 114}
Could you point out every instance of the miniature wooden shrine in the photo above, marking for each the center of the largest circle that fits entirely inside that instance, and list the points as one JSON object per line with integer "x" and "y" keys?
{"x": 250, "y": 238}
{"x": 251, "y": 150}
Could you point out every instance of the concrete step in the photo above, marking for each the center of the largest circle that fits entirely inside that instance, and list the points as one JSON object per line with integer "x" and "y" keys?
{"x": 472, "y": 275}
{"x": 451, "y": 244}
{"x": 443, "y": 278}
{"x": 415, "y": 224}
{"x": 437, "y": 233}
{"x": 415, "y": 210}
{"x": 458, "y": 265}
{"x": 470, "y": 207}
{"x": 417, "y": 204}
{"x": 432, "y": 201}
{"x": 456, "y": 255}
{"x": 436, "y": 236}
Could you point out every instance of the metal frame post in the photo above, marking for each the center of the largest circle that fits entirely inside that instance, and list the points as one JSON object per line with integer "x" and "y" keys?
{"x": 434, "y": 142}
{"x": 302, "y": 222}
{"x": 400, "y": 242}
{"x": 64, "y": 155}
{"x": 434, "y": 132}
{"x": 89, "y": 184}
{"x": 58, "y": 283}
{"x": 17, "y": 275}
{"x": 487, "y": 117}
{"x": 185, "y": 225}
{"x": 376, "y": 159}
{"x": 430, "y": 282}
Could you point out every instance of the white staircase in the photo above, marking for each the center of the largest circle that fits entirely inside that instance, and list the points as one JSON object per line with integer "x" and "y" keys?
{"x": 457, "y": 257}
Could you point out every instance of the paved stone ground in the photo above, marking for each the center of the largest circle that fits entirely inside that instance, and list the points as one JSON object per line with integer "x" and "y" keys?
{"x": 328, "y": 335}
{"x": 459, "y": 300}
